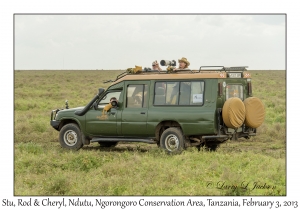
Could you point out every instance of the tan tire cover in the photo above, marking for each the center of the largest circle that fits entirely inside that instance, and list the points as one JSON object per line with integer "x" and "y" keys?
{"x": 255, "y": 112}
{"x": 234, "y": 112}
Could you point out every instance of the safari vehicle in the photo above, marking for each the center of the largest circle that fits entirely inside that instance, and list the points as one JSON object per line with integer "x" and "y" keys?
{"x": 173, "y": 109}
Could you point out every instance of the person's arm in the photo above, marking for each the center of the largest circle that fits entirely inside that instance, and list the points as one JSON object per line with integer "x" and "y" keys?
{"x": 157, "y": 65}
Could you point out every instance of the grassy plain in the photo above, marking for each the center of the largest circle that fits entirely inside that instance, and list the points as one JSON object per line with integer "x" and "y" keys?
{"x": 42, "y": 167}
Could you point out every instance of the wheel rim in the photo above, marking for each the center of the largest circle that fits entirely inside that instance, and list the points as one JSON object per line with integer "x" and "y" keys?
{"x": 172, "y": 142}
{"x": 70, "y": 138}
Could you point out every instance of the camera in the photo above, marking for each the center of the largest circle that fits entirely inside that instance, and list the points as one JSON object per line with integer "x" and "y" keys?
{"x": 168, "y": 63}
{"x": 114, "y": 103}
{"x": 147, "y": 69}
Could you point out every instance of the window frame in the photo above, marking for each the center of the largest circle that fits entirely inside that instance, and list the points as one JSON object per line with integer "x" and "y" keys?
{"x": 227, "y": 94}
{"x": 178, "y": 81}
{"x": 115, "y": 91}
{"x": 143, "y": 96}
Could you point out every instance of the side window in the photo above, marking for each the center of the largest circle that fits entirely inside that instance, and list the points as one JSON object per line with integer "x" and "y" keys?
{"x": 172, "y": 93}
{"x": 137, "y": 96}
{"x": 179, "y": 93}
{"x": 166, "y": 93}
{"x": 234, "y": 91}
{"x": 197, "y": 90}
{"x": 108, "y": 96}
{"x": 160, "y": 93}
{"x": 185, "y": 93}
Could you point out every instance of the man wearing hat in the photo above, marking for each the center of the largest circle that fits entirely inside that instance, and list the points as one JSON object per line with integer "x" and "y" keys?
{"x": 183, "y": 64}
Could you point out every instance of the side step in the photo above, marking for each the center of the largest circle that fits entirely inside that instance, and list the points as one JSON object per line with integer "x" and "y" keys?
{"x": 130, "y": 139}
{"x": 213, "y": 137}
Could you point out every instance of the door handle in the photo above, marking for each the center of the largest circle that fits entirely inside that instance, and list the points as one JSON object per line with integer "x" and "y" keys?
{"x": 143, "y": 112}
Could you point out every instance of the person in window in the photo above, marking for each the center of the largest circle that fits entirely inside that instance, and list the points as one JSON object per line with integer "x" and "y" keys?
{"x": 138, "y": 95}
{"x": 155, "y": 66}
{"x": 113, "y": 99}
{"x": 183, "y": 64}
{"x": 138, "y": 99}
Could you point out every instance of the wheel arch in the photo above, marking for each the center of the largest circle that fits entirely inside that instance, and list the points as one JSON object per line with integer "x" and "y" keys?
{"x": 163, "y": 125}
{"x": 67, "y": 121}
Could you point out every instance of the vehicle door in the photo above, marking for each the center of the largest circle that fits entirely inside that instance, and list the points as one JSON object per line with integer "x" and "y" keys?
{"x": 100, "y": 122}
{"x": 135, "y": 111}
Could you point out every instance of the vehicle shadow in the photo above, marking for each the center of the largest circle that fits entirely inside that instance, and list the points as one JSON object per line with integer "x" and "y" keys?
{"x": 118, "y": 148}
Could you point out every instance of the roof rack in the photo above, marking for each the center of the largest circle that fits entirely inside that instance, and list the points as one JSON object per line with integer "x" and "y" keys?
{"x": 223, "y": 68}
{"x": 150, "y": 71}
{"x": 118, "y": 77}
{"x": 145, "y": 70}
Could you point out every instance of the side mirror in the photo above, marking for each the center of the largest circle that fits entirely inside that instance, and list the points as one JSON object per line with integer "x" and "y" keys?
{"x": 95, "y": 105}
{"x": 100, "y": 91}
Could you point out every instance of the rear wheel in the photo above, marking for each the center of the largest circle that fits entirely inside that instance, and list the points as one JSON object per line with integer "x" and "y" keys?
{"x": 172, "y": 140}
{"x": 108, "y": 143}
{"x": 70, "y": 137}
{"x": 211, "y": 146}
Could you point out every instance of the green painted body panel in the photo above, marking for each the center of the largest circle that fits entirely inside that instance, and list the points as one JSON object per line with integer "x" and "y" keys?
{"x": 194, "y": 120}
{"x": 68, "y": 114}
{"x": 142, "y": 122}
{"x": 95, "y": 126}
{"x": 134, "y": 123}
{"x": 134, "y": 120}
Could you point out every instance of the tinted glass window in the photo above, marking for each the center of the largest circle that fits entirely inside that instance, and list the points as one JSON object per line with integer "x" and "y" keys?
{"x": 185, "y": 93}
{"x": 197, "y": 92}
{"x": 160, "y": 93}
{"x": 179, "y": 93}
{"x": 172, "y": 93}
{"x": 137, "y": 96}
{"x": 234, "y": 91}
{"x": 108, "y": 96}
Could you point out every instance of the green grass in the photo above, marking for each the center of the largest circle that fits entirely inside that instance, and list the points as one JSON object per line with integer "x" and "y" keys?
{"x": 42, "y": 167}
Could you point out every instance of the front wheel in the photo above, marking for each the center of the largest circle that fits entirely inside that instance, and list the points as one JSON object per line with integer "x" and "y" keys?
{"x": 70, "y": 137}
{"x": 172, "y": 141}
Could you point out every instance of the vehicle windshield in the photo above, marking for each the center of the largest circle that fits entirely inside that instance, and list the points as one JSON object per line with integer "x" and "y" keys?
{"x": 234, "y": 91}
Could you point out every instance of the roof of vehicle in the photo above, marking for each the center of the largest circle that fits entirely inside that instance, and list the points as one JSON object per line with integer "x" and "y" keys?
{"x": 184, "y": 74}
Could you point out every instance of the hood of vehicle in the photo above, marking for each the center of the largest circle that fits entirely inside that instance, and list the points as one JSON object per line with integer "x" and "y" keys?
{"x": 67, "y": 112}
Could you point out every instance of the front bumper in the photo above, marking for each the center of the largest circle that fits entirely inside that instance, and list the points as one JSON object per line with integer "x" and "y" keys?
{"x": 55, "y": 124}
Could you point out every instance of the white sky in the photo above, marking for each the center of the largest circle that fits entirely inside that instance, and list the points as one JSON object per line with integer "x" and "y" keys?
{"x": 122, "y": 41}
{"x": 83, "y": 44}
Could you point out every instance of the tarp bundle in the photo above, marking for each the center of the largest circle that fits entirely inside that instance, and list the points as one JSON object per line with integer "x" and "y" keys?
{"x": 136, "y": 70}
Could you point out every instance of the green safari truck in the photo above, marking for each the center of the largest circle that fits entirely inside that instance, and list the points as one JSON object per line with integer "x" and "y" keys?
{"x": 173, "y": 109}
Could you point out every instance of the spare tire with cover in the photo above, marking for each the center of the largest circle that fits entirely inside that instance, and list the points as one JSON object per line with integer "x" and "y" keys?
{"x": 255, "y": 112}
{"x": 233, "y": 112}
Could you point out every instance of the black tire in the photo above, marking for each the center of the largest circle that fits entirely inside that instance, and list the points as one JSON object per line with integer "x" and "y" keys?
{"x": 172, "y": 141}
{"x": 211, "y": 146}
{"x": 70, "y": 137}
{"x": 108, "y": 143}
